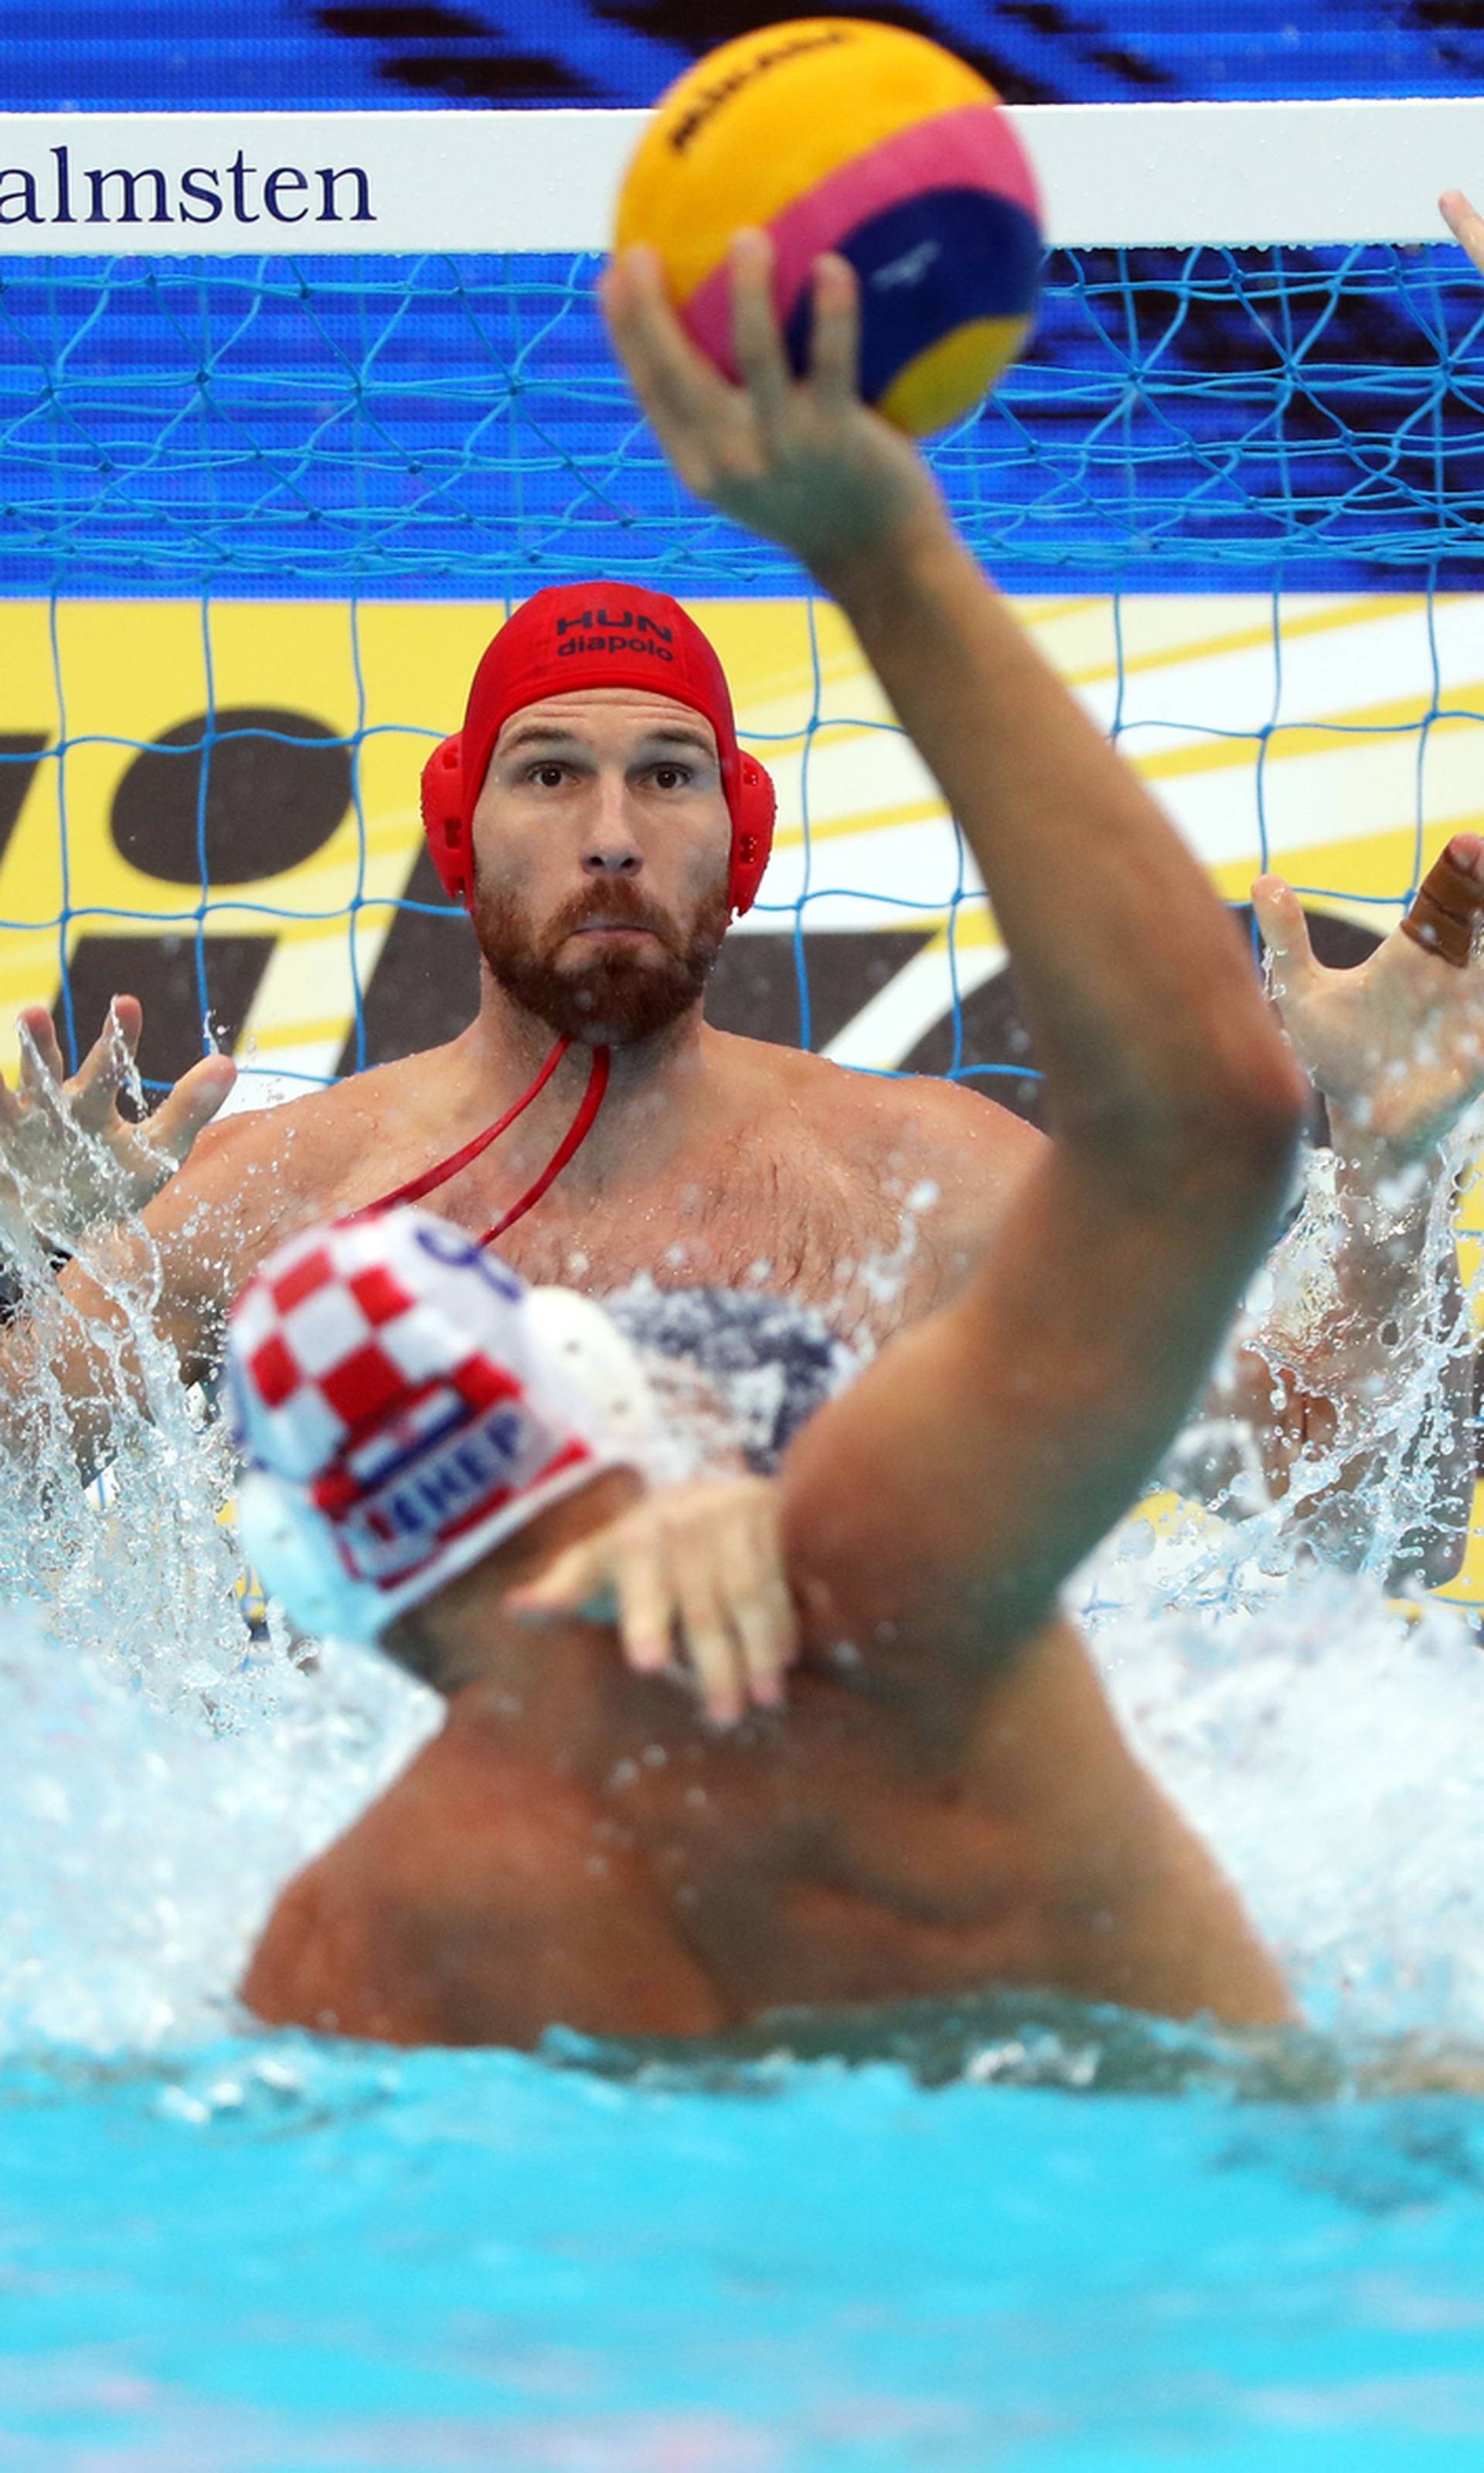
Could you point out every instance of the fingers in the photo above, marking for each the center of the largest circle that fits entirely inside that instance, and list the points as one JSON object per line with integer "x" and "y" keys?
{"x": 646, "y": 1602}
{"x": 762, "y": 1609}
{"x": 653, "y": 1585}
{"x": 43, "y": 1069}
{"x": 712, "y": 1645}
{"x": 1449, "y": 902}
{"x": 575, "y": 1586}
{"x": 676, "y": 384}
{"x": 1465, "y": 223}
{"x": 106, "y": 1067}
{"x": 755, "y": 341}
{"x": 191, "y": 1106}
{"x": 834, "y": 356}
{"x": 652, "y": 1591}
{"x": 694, "y": 1576}
{"x": 1284, "y": 929}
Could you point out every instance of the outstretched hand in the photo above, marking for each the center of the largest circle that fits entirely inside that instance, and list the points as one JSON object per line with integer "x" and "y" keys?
{"x": 1396, "y": 1046}
{"x": 1397, "y": 1043}
{"x": 691, "y": 1575}
{"x": 69, "y": 1159}
{"x": 1465, "y": 223}
{"x": 802, "y": 461}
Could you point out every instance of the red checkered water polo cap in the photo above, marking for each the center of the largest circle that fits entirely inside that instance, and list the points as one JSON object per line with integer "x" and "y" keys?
{"x": 574, "y": 636}
{"x": 405, "y": 1403}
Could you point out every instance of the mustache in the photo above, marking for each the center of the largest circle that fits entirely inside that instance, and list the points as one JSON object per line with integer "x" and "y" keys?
{"x": 620, "y": 904}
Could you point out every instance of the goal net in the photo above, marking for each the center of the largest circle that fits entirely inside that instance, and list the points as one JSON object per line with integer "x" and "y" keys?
{"x": 277, "y": 446}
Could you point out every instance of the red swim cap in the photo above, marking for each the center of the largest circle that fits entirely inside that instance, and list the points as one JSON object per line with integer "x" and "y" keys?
{"x": 565, "y": 639}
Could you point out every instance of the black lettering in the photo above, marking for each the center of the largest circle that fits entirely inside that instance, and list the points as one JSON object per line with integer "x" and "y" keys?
{"x": 18, "y": 203}
{"x": 329, "y": 212}
{"x": 129, "y": 183}
{"x": 241, "y": 171}
{"x": 284, "y": 178}
{"x": 201, "y": 185}
{"x": 615, "y": 644}
{"x": 62, "y": 156}
{"x": 710, "y": 103}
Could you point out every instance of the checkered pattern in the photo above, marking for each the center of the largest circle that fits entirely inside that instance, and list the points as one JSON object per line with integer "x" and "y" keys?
{"x": 358, "y": 1344}
{"x": 404, "y": 1403}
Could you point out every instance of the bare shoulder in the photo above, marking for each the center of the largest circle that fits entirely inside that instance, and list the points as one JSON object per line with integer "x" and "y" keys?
{"x": 911, "y": 1124}
{"x": 950, "y": 1118}
{"x": 258, "y": 1178}
{"x": 313, "y": 1148}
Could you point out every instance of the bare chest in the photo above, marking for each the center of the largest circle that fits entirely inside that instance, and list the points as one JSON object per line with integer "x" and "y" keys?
{"x": 820, "y": 1230}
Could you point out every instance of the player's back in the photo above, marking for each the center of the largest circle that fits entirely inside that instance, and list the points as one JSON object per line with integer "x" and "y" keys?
{"x": 582, "y": 1852}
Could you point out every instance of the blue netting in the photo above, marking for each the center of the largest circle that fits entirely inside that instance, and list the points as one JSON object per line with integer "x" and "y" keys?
{"x": 354, "y": 429}
{"x": 458, "y": 426}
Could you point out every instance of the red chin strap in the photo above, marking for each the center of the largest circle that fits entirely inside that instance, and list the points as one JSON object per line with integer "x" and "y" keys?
{"x": 566, "y": 1149}
{"x": 565, "y": 640}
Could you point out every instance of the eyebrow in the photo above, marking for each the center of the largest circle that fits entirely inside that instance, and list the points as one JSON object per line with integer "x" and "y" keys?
{"x": 552, "y": 734}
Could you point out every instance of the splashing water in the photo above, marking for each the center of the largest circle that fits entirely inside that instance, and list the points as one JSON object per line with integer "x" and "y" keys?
{"x": 168, "y": 1772}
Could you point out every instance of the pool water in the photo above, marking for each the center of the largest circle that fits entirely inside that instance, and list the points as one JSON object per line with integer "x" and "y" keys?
{"x": 1021, "y": 2235}
{"x": 273, "y": 2257}
{"x": 1036, "y": 2236}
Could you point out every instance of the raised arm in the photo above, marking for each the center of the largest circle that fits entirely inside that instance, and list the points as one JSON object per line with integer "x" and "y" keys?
{"x": 989, "y": 1449}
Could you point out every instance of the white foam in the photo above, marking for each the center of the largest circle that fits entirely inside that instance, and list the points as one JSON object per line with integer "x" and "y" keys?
{"x": 164, "y": 1780}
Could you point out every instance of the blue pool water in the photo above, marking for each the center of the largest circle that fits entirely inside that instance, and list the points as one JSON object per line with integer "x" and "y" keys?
{"x": 276, "y": 2258}
{"x": 1027, "y": 2236}
{"x": 1034, "y": 2237}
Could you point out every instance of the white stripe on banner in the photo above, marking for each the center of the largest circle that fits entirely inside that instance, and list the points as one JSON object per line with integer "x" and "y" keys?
{"x": 287, "y": 182}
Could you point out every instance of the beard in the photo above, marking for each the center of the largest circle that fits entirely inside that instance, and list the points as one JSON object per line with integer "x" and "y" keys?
{"x": 601, "y": 999}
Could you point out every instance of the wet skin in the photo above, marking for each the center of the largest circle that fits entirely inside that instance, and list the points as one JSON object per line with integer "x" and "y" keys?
{"x": 572, "y": 1847}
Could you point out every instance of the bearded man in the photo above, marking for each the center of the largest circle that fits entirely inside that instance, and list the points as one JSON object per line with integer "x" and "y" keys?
{"x": 599, "y": 821}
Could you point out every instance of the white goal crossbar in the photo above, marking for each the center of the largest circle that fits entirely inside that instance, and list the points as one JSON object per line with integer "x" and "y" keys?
{"x": 284, "y": 183}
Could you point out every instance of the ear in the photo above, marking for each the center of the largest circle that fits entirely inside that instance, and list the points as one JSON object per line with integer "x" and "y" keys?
{"x": 449, "y": 837}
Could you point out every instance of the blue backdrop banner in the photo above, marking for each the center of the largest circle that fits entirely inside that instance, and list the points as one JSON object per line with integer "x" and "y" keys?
{"x": 121, "y": 54}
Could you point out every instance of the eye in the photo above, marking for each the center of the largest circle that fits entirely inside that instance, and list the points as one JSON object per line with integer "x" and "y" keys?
{"x": 672, "y": 777}
{"x": 549, "y": 776}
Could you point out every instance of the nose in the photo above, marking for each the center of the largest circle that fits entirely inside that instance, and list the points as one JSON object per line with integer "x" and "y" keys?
{"x": 601, "y": 859}
{"x": 608, "y": 846}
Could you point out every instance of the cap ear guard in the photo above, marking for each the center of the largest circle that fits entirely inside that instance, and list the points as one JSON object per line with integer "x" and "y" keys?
{"x": 295, "y": 1560}
{"x": 753, "y": 814}
{"x": 442, "y": 818}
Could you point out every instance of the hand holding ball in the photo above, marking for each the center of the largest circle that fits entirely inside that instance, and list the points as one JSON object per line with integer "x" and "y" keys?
{"x": 837, "y": 135}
